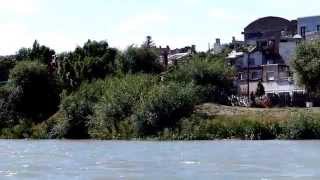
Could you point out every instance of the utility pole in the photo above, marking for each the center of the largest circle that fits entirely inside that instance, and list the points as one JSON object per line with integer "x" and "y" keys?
{"x": 248, "y": 77}
{"x": 249, "y": 50}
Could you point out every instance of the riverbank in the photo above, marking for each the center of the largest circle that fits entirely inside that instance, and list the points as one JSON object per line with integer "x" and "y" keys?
{"x": 208, "y": 122}
{"x": 211, "y": 121}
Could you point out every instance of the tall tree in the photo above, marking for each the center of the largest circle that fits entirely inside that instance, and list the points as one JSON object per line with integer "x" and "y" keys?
{"x": 307, "y": 65}
{"x": 38, "y": 52}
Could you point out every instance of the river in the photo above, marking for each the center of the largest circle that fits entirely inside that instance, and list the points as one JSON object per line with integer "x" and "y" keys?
{"x": 131, "y": 160}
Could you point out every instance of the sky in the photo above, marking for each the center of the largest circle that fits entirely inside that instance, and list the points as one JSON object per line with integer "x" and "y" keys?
{"x": 65, "y": 24}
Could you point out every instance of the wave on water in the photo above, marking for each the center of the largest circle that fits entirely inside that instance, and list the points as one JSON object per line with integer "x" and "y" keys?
{"x": 191, "y": 162}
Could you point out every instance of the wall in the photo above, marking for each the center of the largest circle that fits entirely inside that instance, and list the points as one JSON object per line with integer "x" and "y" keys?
{"x": 243, "y": 87}
{"x": 309, "y": 22}
{"x": 257, "y": 56}
{"x": 281, "y": 86}
{"x": 287, "y": 51}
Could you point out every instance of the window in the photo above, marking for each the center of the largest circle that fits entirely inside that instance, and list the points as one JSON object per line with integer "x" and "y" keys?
{"x": 318, "y": 28}
{"x": 251, "y": 62}
{"x": 303, "y": 31}
{"x": 242, "y": 76}
{"x": 283, "y": 69}
{"x": 255, "y": 75}
{"x": 270, "y": 76}
{"x": 270, "y": 61}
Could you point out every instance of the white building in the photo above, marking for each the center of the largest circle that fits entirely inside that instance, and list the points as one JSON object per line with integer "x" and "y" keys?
{"x": 309, "y": 27}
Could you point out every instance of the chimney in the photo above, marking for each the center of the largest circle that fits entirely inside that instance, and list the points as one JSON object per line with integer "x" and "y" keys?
{"x": 233, "y": 39}
{"x": 193, "y": 48}
{"x": 218, "y": 41}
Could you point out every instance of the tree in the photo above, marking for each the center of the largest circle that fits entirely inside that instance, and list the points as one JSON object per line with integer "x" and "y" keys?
{"x": 140, "y": 60}
{"x": 210, "y": 73}
{"x": 148, "y": 43}
{"x": 260, "y": 90}
{"x": 23, "y": 54}
{"x": 307, "y": 65}
{"x": 95, "y": 60}
{"x": 38, "y": 52}
{"x": 38, "y": 95}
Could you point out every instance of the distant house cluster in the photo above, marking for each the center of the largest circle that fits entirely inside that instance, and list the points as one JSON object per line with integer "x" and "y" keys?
{"x": 171, "y": 57}
{"x": 270, "y": 45}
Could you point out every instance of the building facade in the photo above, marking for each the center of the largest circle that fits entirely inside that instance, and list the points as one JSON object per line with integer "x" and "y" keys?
{"x": 309, "y": 27}
{"x": 272, "y": 41}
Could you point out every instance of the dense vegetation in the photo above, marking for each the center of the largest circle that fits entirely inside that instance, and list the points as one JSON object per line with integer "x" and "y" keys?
{"x": 297, "y": 126}
{"x": 307, "y": 66}
{"x": 100, "y": 92}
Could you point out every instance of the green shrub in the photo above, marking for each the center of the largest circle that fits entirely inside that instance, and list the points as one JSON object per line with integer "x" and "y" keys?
{"x": 77, "y": 108}
{"x": 211, "y": 74}
{"x": 39, "y": 131}
{"x": 20, "y": 130}
{"x": 302, "y": 126}
{"x": 121, "y": 96}
{"x": 5, "y": 67}
{"x": 225, "y": 127}
{"x": 164, "y": 106}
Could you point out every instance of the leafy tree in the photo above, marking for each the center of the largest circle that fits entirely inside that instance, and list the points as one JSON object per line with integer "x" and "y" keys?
{"x": 38, "y": 52}
{"x": 95, "y": 60}
{"x": 260, "y": 90}
{"x": 23, "y": 54}
{"x": 307, "y": 65}
{"x": 140, "y": 60}
{"x": 38, "y": 95}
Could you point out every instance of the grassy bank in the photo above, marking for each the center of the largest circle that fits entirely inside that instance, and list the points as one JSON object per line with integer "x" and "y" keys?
{"x": 222, "y": 122}
{"x": 208, "y": 122}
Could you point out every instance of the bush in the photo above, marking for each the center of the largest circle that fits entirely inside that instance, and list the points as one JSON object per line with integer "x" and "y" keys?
{"x": 212, "y": 76}
{"x": 121, "y": 96}
{"x": 225, "y": 127}
{"x": 302, "y": 126}
{"x": 164, "y": 106}
{"x": 76, "y": 109}
{"x": 5, "y": 67}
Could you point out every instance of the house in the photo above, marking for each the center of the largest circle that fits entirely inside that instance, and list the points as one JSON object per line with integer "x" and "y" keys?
{"x": 217, "y": 47}
{"x": 309, "y": 27}
{"x": 171, "y": 57}
{"x": 270, "y": 43}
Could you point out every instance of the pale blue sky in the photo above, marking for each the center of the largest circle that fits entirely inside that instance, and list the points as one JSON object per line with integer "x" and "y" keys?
{"x": 64, "y": 24}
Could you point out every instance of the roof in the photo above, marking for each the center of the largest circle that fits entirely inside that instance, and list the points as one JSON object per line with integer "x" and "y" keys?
{"x": 234, "y": 54}
{"x": 297, "y": 36}
{"x": 178, "y": 56}
{"x": 268, "y": 23}
{"x": 317, "y": 16}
